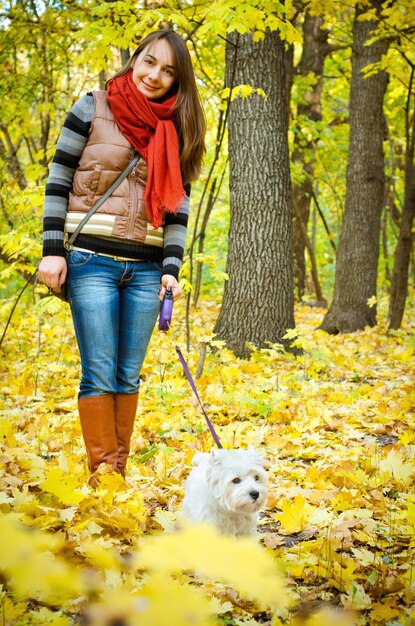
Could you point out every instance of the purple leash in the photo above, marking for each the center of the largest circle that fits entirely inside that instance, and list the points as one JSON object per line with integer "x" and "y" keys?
{"x": 193, "y": 386}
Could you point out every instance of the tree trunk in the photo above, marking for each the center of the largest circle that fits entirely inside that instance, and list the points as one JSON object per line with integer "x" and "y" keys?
{"x": 403, "y": 250}
{"x": 357, "y": 260}
{"x": 258, "y": 304}
{"x": 315, "y": 50}
{"x": 399, "y": 288}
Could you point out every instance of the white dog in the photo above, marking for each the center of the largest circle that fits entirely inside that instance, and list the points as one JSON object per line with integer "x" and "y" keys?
{"x": 227, "y": 488}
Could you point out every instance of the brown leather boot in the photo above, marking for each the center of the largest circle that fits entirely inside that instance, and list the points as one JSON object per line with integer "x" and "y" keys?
{"x": 125, "y": 406}
{"x": 98, "y": 430}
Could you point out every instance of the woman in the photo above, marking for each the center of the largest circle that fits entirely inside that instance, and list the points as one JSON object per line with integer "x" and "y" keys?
{"x": 135, "y": 240}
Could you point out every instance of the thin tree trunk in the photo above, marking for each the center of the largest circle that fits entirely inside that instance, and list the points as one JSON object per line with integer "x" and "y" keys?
{"x": 315, "y": 50}
{"x": 213, "y": 196}
{"x": 399, "y": 288}
{"x": 323, "y": 219}
{"x": 125, "y": 55}
{"x": 102, "y": 79}
{"x": 358, "y": 254}
{"x": 403, "y": 250}
{"x": 314, "y": 271}
{"x": 258, "y": 304}
{"x": 211, "y": 199}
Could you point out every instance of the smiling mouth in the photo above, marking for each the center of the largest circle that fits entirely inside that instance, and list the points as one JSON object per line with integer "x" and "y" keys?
{"x": 151, "y": 87}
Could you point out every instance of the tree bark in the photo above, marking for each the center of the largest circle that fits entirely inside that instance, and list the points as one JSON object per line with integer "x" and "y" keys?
{"x": 258, "y": 304}
{"x": 315, "y": 50}
{"x": 358, "y": 253}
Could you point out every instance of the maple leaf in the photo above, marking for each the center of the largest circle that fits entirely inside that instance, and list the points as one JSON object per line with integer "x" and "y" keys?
{"x": 395, "y": 467}
{"x": 44, "y": 616}
{"x": 295, "y": 514}
{"x": 13, "y": 610}
{"x": 364, "y": 556}
{"x": 62, "y": 485}
{"x": 292, "y": 333}
{"x": 356, "y": 598}
{"x": 382, "y": 613}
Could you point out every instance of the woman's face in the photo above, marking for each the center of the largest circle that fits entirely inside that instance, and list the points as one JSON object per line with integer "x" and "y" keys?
{"x": 153, "y": 70}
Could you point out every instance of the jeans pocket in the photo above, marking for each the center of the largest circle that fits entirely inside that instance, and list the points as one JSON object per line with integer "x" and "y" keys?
{"x": 78, "y": 258}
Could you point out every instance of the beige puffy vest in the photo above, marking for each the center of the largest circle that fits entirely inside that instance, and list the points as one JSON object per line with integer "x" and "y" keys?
{"x": 107, "y": 152}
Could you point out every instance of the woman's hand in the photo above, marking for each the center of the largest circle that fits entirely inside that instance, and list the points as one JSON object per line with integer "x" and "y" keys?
{"x": 169, "y": 282}
{"x": 52, "y": 272}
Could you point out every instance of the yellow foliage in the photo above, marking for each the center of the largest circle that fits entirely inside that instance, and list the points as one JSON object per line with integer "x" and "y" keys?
{"x": 184, "y": 604}
{"x": 331, "y": 617}
{"x": 242, "y": 91}
{"x": 29, "y": 562}
{"x": 240, "y": 562}
{"x": 161, "y": 599}
{"x": 410, "y": 511}
{"x": 98, "y": 554}
{"x": 12, "y": 611}
{"x": 6, "y": 428}
{"x": 46, "y": 617}
{"x": 335, "y": 427}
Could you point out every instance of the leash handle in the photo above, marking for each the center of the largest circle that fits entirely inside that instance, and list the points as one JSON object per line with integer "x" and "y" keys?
{"x": 193, "y": 386}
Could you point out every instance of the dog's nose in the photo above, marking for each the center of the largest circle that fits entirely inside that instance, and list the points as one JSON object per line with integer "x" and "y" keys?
{"x": 254, "y": 495}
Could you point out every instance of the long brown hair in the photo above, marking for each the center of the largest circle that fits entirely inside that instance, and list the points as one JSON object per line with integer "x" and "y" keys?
{"x": 190, "y": 119}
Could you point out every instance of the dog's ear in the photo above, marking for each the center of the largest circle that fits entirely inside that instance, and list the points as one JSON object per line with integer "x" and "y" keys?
{"x": 256, "y": 456}
{"x": 215, "y": 456}
{"x": 198, "y": 458}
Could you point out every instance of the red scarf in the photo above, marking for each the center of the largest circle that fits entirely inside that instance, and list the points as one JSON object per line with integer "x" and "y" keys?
{"x": 149, "y": 127}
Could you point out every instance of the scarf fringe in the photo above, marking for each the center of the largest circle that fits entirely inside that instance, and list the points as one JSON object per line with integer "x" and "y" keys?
{"x": 156, "y": 215}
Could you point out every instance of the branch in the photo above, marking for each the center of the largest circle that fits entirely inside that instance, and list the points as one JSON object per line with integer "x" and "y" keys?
{"x": 29, "y": 280}
{"x": 205, "y": 74}
{"x": 9, "y": 156}
{"x": 5, "y": 213}
{"x": 326, "y": 226}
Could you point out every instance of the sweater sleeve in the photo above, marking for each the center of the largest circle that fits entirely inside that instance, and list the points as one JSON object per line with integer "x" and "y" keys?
{"x": 69, "y": 148}
{"x": 175, "y": 230}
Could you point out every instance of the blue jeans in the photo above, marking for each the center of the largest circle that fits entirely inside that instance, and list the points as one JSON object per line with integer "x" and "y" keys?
{"x": 114, "y": 307}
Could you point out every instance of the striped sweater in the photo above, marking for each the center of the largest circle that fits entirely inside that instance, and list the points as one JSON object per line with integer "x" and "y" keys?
{"x": 71, "y": 143}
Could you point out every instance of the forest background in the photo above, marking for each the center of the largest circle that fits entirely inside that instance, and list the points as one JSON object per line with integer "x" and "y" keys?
{"x": 321, "y": 93}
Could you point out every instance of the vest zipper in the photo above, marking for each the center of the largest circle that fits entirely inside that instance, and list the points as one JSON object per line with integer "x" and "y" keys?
{"x": 134, "y": 205}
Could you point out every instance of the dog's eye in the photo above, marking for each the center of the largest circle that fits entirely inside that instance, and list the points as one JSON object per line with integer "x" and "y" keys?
{"x": 236, "y": 480}
{"x": 257, "y": 477}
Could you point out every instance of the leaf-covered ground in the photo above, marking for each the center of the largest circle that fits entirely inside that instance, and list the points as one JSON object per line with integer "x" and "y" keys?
{"x": 336, "y": 426}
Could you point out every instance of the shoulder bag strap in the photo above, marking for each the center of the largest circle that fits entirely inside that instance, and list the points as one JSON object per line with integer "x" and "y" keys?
{"x": 102, "y": 199}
